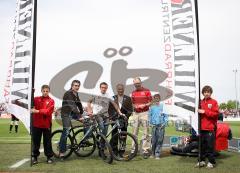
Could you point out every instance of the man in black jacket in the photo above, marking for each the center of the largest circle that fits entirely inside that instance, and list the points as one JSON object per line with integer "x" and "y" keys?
{"x": 71, "y": 109}
{"x": 125, "y": 104}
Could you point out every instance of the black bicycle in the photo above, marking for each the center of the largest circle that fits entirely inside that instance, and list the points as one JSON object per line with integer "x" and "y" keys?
{"x": 84, "y": 141}
{"x": 123, "y": 143}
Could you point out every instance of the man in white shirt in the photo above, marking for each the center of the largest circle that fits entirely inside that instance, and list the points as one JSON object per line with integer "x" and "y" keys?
{"x": 99, "y": 104}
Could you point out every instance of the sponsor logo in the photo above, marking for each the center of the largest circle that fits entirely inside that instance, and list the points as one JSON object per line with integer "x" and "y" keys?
{"x": 209, "y": 106}
{"x": 177, "y": 1}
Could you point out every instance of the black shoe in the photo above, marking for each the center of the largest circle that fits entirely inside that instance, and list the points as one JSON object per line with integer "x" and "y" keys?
{"x": 121, "y": 153}
{"x": 49, "y": 160}
{"x": 115, "y": 152}
{"x": 177, "y": 149}
{"x": 61, "y": 158}
{"x": 145, "y": 155}
{"x": 86, "y": 144}
{"x": 101, "y": 154}
{"x": 34, "y": 161}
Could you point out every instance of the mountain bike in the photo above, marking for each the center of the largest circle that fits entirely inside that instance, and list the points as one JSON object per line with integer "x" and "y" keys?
{"x": 123, "y": 143}
{"x": 84, "y": 141}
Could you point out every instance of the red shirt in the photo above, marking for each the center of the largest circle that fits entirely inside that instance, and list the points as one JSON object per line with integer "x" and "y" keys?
{"x": 139, "y": 97}
{"x": 45, "y": 105}
{"x": 210, "y": 117}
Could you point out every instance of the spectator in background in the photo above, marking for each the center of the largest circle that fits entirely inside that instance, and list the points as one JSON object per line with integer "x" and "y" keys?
{"x": 223, "y": 134}
{"x": 14, "y": 122}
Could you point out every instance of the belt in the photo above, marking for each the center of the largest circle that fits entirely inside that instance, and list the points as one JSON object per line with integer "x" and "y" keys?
{"x": 140, "y": 111}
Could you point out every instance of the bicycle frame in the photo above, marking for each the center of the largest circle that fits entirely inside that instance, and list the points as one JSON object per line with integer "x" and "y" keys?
{"x": 116, "y": 125}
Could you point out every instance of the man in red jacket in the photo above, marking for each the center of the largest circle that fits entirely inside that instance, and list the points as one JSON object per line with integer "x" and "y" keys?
{"x": 209, "y": 116}
{"x": 42, "y": 122}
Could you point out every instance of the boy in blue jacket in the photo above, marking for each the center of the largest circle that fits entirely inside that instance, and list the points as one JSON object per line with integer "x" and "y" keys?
{"x": 157, "y": 119}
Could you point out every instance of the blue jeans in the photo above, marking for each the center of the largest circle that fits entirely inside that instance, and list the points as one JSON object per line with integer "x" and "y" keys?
{"x": 63, "y": 140}
{"x": 103, "y": 128}
{"x": 157, "y": 139}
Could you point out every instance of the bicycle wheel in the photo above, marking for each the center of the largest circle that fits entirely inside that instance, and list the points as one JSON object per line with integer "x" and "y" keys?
{"x": 85, "y": 147}
{"x": 56, "y": 136}
{"x": 124, "y": 146}
{"x": 104, "y": 148}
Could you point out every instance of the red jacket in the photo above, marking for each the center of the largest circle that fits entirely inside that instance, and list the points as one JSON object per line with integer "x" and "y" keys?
{"x": 45, "y": 105}
{"x": 222, "y": 135}
{"x": 142, "y": 96}
{"x": 210, "y": 117}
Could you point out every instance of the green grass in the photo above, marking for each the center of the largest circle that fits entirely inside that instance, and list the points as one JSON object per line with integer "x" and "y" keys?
{"x": 235, "y": 127}
{"x": 15, "y": 147}
{"x": 227, "y": 162}
{"x": 24, "y": 137}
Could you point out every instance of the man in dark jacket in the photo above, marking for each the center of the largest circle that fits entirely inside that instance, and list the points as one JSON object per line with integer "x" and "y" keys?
{"x": 125, "y": 104}
{"x": 71, "y": 109}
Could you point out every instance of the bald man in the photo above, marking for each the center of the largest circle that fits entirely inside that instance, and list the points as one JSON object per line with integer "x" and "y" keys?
{"x": 141, "y": 99}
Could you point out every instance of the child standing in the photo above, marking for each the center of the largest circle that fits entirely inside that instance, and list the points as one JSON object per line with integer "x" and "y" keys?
{"x": 158, "y": 120}
{"x": 209, "y": 116}
{"x": 42, "y": 124}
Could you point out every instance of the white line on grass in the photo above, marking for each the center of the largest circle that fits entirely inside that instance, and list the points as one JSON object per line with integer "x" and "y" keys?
{"x": 16, "y": 165}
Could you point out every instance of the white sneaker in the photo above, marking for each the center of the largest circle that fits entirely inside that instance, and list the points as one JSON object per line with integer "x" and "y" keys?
{"x": 210, "y": 165}
{"x": 157, "y": 157}
{"x": 200, "y": 164}
{"x": 152, "y": 157}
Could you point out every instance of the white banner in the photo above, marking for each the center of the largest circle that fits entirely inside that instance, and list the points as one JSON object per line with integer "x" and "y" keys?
{"x": 19, "y": 80}
{"x": 115, "y": 41}
{"x": 181, "y": 58}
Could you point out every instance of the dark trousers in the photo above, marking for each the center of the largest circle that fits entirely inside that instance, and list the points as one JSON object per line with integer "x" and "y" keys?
{"x": 119, "y": 148}
{"x": 47, "y": 144}
{"x": 191, "y": 146}
{"x": 207, "y": 146}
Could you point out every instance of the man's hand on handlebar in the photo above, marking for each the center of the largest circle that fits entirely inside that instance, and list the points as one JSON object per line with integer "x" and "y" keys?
{"x": 81, "y": 119}
{"x": 90, "y": 113}
{"x": 123, "y": 115}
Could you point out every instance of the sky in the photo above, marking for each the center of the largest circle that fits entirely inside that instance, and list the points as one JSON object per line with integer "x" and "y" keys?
{"x": 219, "y": 38}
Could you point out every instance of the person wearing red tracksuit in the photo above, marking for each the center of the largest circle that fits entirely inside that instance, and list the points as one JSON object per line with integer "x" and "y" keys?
{"x": 209, "y": 115}
{"x": 42, "y": 122}
{"x": 223, "y": 134}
